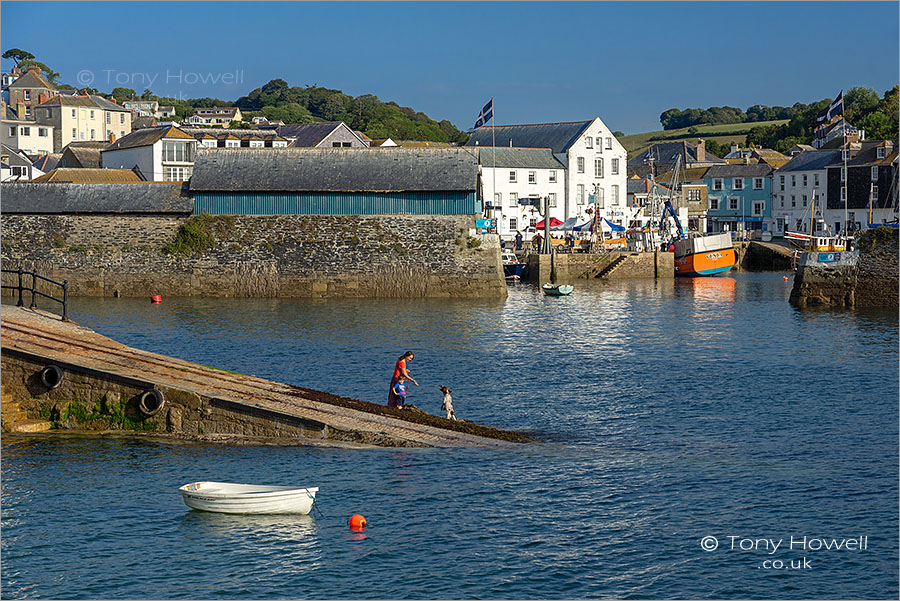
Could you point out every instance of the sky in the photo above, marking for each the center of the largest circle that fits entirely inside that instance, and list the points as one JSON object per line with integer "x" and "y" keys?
{"x": 541, "y": 62}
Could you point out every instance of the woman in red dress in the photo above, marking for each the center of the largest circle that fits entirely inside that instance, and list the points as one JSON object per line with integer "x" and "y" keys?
{"x": 400, "y": 369}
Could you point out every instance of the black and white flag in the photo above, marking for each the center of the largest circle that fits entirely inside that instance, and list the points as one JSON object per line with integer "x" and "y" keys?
{"x": 486, "y": 114}
{"x": 835, "y": 108}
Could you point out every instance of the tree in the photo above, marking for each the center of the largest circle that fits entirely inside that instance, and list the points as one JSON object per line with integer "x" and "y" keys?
{"x": 18, "y": 55}
{"x": 858, "y": 102}
{"x": 49, "y": 73}
{"x": 121, "y": 94}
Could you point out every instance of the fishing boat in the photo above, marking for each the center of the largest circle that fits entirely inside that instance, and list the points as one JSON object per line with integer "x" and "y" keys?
{"x": 704, "y": 255}
{"x": 557, "y": 289}
{"x": 512, "y": 267}
{"x": 227, "y": 497}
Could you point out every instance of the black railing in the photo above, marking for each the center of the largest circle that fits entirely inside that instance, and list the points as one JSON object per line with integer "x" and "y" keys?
{"x": 21, "y": 288}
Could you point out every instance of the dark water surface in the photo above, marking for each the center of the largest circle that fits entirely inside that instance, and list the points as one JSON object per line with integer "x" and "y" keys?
{"x": 670, "y": 412}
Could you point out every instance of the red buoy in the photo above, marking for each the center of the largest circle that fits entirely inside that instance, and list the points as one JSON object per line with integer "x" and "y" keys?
{"x": 156, "y": 299}
{"x": 357, "y": 522}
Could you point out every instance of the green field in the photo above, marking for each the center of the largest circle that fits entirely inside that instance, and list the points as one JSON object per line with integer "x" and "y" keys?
{"x": 731, "y": 133}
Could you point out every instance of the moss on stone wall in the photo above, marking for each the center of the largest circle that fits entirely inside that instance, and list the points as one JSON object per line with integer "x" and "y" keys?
{"x": 198, "y": 234}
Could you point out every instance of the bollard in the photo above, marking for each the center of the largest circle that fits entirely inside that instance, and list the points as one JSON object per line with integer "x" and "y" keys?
{"x": 20, "y": 303}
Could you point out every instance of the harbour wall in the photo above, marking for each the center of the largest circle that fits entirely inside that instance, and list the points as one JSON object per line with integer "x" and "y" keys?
{"x": 409, "y": 256}
{"x": 871, "y": 282}
{"x": 571, "y": 266}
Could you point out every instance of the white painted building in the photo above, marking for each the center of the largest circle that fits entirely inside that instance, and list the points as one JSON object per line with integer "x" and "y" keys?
{"x": 796, "y": 186}
{"x": 509, "y": 175}
{"x": 160, "y": 153}
{"x": 594, "y": 163}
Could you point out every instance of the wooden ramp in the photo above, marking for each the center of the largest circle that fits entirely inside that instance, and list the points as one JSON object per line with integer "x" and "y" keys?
{"x": 48, "y": 339}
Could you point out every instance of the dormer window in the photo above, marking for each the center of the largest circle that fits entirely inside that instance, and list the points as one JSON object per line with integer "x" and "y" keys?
{"x": 880, "y": 152}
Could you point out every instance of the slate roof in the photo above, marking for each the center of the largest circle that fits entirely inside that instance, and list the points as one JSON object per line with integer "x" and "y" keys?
{"x": 96, "y": 198}
{"x": 811, "y": 160}
{"x": 524, "y": 158}
{"x": 684, "y": 175}
{"x": 47, "y": 162}
{"x": 241, "y": 134}
{"x": 334, "y": 170}
{"x": 644, "y": 186}
{"x": 751, "y": 170}
{"x": 69, "y": 175}
{"x": 81, "y": 156}
{"x": 147, "y": 137}
{"x": 31, "y": 79}
{"x": 556, "y": 136}
{"x": 664, "y": 153}
{"x": 309, "y": 135}
{"x": 143, "y": 122}
{"x": 91, "y": 102}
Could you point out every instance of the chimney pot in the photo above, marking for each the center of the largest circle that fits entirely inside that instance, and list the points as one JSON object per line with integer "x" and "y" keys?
{"x": 701, "y": 150}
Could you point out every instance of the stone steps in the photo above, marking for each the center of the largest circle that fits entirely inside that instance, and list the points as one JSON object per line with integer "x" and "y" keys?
{"x": 15, "y": 419}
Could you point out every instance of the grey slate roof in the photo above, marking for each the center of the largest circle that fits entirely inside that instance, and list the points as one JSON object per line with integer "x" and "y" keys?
{"x": 334, "y": 170}
{"x": 664, "y": 153}
{"x": 81, "y": 156}
{"x": 740, "y": 170}
{"x": 523, "y": 158}
{"x": 556, "y": 136}
{"x": 308, "y": 134}
{"x": 143, "y": 137}
{"x": 811, "y": 160}
{"x": 644, "y": 186}
{"x": 95, "y": 198}
{"x": 47, "y": 162}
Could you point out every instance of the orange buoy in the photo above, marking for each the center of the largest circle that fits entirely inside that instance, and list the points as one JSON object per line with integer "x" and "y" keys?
{"x": 156, "y": 299}
{"x": 785, "y": 278}
{"x": 357, "y": 522}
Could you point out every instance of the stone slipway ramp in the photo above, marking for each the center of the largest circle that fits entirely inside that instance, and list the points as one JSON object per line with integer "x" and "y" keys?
{"x": 46, "y": 337}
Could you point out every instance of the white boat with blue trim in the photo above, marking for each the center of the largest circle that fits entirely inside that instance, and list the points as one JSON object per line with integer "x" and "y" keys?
{"x": 228, "y": 497}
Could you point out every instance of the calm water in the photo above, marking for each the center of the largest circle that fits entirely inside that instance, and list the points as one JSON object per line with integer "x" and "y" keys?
{"x": 670, "y": 411}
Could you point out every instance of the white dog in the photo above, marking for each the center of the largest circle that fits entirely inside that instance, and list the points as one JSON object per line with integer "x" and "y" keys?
{"x": 447, "y": 405}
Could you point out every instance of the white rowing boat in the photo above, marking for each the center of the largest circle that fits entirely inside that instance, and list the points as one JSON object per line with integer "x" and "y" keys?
{"x": 227, "y": 497}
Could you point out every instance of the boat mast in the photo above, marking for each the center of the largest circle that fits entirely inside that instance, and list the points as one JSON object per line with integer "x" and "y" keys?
{"x": 846, "y": 173}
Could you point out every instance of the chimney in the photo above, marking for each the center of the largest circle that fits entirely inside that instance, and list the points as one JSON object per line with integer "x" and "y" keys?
{"x": 701, "y": 151}
{"x": 734, "y": 148}
{"x": 34, "y": 68}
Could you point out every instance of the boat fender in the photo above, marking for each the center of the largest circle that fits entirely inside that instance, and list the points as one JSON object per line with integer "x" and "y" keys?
{"x": 51, "y": 376}
{"x": 151, "y": 402}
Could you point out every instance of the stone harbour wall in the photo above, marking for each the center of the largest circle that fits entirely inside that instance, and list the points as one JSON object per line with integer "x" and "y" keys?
{"x": 570, "y": 266}
{"x": 408, "y": 256}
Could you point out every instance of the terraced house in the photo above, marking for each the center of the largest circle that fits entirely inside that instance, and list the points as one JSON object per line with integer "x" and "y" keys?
{"x": 739, "y": 197}
{"x": 83, "y": 118}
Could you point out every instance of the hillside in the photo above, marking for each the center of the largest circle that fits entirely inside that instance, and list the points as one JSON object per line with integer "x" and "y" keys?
{"x": 716, "y": 136}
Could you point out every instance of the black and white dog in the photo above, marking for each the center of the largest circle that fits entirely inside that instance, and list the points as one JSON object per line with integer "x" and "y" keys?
{"x": 447, "y": 405}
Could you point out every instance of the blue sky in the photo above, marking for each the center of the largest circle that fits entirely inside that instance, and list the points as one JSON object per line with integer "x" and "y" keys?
{"x": 541, "y": 61}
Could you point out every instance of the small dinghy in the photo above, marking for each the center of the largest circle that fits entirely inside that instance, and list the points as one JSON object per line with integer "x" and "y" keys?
{"x": 226, "y": 497}
{"x": 557, "y": 289}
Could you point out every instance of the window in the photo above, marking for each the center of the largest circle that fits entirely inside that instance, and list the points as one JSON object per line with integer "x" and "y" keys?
{"x": 793, "y": 200}
{"x": 804, "y": 180}
{"x": 815, "y": 179}
{"x": 24, "y": 131}
{"x": 694, "y": 195}
{"x": 579, "y": 194}
{"x": 257, "y": 144}
{"x": 793, "y": 181}
{"x": 532, "y": 177}
{"x": 843, "y": 194}
{"x": 781, "y": 202}
{"x": 589, "y": 142}
{"x": 614, "y": 167}
{"x": 108, "y": 118}
{"x": 92, "y": 114}
{"x": 738, "y": 183}
{"x": 74, "y": 134}
{"x": 758, "y": 183}
{"x": 874, "y": 174}
{"x": 73, "y": 114}
{"x": 179, "y": 152}
{"x": 177, "y": 174}
{"x": 717, "y": 183}
{"x": 598, "y": 167}
{"x": 580, "y": 164}
{"x": 93, "y": 134}
{"x": 599, "y": 198}
{"x": 615, "y": 195}
{"x": 121, "y": 118}
{"x": 512, "y": 177}
{"x": 12, "y": 132}
{"x": 552, "y": 198}
{"x": 609, "y": 143}
{"x": 335, "y": 144}
{"x": 758, "y": 207}
{"x": 513, "y": 224}
{"x": 782, "y": 183}
{"x": 713, "y": 203}
{"x": 232, "y": 143}
{"x": 879, "y": 152}
{"x": 804, "y": 200}
{"x": 27, "y": 94}
{"x": 874, "y": 192}
{"x": 732, "y": 203}
{"x": 42, "y": 132}
{"x": 498, "y": 199}
{"x": 28, "y": 111}
{"x": 843, "y": 174}
{"x": 553, "y": 176}
{"x": 81, "y": 135}
{"x": 513, "y": 199}
{"x": 845, "y": 154}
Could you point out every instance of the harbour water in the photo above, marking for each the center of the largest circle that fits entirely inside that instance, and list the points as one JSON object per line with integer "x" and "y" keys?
{"x": 669, "y": 412}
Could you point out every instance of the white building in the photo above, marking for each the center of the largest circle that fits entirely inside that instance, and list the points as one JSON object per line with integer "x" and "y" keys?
{"x": 594, "y": 163}
{"x": 15, "y": 166}
{"x": 512, "y": 174}
{"x": 160, "y": 153}
{"x": 28, "y": 136}
{"x": 794, "y": 188}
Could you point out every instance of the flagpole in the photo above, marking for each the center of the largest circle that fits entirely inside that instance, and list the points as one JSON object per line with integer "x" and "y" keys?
{"x": 494, "y": 159}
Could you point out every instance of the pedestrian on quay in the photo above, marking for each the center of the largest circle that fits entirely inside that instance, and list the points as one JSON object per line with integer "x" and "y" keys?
{"x": 400, "y": 370}
{"x": 536, "y": 242}
{"x": 518, "y": 240}
{"x": 400, "y": 392}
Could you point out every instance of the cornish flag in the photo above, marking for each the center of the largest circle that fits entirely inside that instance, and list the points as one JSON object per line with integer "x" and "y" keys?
{"x": 835, "y": 108}
{"x": 486, "y": 114}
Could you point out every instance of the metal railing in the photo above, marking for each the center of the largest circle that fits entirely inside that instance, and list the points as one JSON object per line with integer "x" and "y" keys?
{"x": 22, "y": 288}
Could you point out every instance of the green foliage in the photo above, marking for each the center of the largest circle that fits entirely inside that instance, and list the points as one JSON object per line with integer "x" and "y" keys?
{"x": 49, "y": 73}
{"x": 111, "y": 416}
{"x": 120, "y": 94}
{"x": 18, "y": 55}
{"x": 198, "y": 234}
